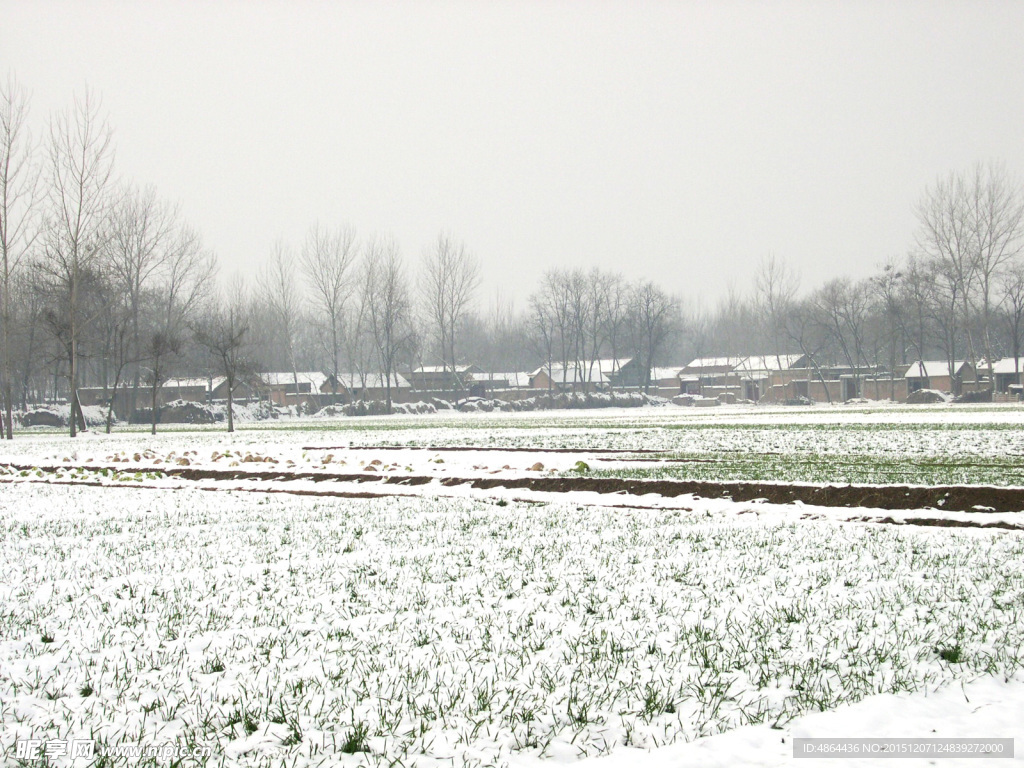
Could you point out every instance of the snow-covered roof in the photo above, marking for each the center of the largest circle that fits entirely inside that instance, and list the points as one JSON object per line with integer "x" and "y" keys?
{"x": 466, "y": 368}
{"x": 371, "y": 381}
{"x": 768, "y": 362}
{"x": 1005, "y": 366}
{"x": 922, "y": 368}
{"x": 660, "y": 374}
{"x": 571, "y": 374}
{"x": 193, "y": 382}
{"x": 284, "y": 378}
{"x": 714, "y": 362}
{"x": 611, "y": 365}
{"x": 514, "y": 378}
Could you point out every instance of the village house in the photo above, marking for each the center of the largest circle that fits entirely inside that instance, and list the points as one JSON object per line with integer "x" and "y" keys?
{"x": 1008, "y": 373}
{"x": 492, "y": 384}
{"x": 287, "y": 388}
{"x": 570, "y": 378}
{"x": 785, "y": 378}
{"x": 937, "y": 374}
{"x": 666, "y": 382}
{"x": 441, "y": 378}
{"x": 711, "y": 377}
{"x": 770, "y": 377}
{"x": 372, "y": 386}
{"x": 193, "y": 390}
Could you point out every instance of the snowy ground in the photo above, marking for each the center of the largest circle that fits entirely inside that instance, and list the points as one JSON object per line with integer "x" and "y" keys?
{"x": 441, "y": 624}
{"x": 929, "y": 445}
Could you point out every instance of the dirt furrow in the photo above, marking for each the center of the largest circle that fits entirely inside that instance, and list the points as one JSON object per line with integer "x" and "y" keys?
{"x": 887, "y": 497}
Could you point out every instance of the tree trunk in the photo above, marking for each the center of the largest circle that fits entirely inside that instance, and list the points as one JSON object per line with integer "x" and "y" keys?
{"x": 231, "y": 417}
{"x": 8, "y": 390}
{"x": 113, "y": 398}
{"x": 153, "y": 412}
{"x": 73, "y": 379}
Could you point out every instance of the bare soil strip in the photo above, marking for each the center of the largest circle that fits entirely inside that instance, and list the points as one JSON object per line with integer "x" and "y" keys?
{"x": 333, "y": 493}
{"x": 888, "y": 497}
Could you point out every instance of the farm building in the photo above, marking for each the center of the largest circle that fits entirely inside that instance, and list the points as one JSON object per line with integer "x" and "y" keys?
{"x": 767, "y": 376}
{"x": 289, "y": 388}
{"x": 712, "y": 376}
{"x": 665, "y": 381}
{"x": 441, "y": 378}
{"x": 372, "y": 386}
{"x": 1007, "y": 372}
{"x": 940, "y": 375}
{"x": 485, "y": 384}
{"x": 570, "y": 378}
{"x": 194, "y": 390}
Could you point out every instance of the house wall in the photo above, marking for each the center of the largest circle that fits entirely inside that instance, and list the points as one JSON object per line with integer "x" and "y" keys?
{"x": 821, "y": 392}
{"x": 883, "y": 389}
{"x": 542, "y": 381}
{"x": 1004, "y": 380}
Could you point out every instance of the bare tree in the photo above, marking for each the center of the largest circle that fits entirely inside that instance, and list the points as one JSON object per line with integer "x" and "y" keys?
{"x": 161, "y": 349}
{"x": 973, "y": 224}
{"x": 804, "y": 329}
{"x": 80, "y": 165}
{"x": 19, "y": 185}
{"x": 389, "y": 307}
{"x": 543, "y": 330}
{"x": 842, "y": 307}
{"x": 653, "y": 316}
{"x": 1012, "y": 306}
{"x": 186, "y": 275}
{"x": 278, "y": 288}
{"x": 614, "y": 312}
{"x": 886, "y": 289}
{"x": 118, "y": 346}
{"x": 775, "y": 286}
{"x": 223, "y": 330}
{"x": 141, "y": 229}
{"x": 997, "y": 205}
{"x": 450, "y": 277}
{"x": 328, "y": 257}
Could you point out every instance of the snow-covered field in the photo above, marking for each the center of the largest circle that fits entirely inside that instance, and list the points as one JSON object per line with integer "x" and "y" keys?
{"x": 930, "y": 445}
{"x": 438, "y": 624}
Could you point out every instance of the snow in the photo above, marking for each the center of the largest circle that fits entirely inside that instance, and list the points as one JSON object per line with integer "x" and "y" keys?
{"x": 987, "y": 708}
{"x": 504, "y": 626}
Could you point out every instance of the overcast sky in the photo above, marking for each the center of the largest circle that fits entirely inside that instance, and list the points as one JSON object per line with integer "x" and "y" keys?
{"x": 682, "y": 142}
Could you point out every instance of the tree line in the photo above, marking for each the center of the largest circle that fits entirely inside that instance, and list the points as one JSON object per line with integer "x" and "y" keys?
{"x": 104, "y": 284}
{"x": 957, "y": 294}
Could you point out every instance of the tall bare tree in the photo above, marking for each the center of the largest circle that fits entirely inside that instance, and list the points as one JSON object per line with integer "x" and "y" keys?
{"x": 81, "y": 161}
{"x": 141, "y": 229}
{"x": 653, "y": 316}
{"x": 19, "y": 225}
{"x": 451, "y": 275}
{"x": 278, "y": 288}
{"x": 842, "y": 307}
{"x": 615, "y": 312}
{"x": 187, "y": 272}
{"x": 775, "y": 286}
{"x": 886, "y": 289}
{"x": 389, "y": 307}
{"x": 972, "y": 223}
{"x": 223, "y": 330}
{"x": 1012, "y": 306}
{"x": 328, "y": 259}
